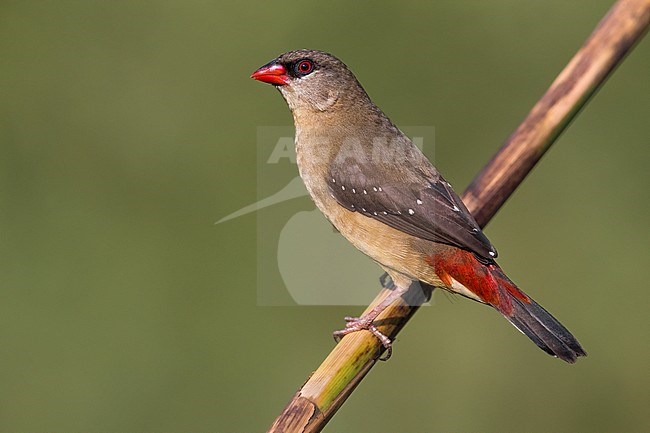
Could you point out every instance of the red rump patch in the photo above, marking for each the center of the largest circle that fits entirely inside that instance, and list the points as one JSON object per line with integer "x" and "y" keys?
{"x": 488, "y": 282}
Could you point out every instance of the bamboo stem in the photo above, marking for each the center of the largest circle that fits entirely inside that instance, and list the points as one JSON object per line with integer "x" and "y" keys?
{"x": 350, "y": 360}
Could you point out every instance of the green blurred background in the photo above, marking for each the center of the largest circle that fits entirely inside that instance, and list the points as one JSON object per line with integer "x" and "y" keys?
{"x": 127, "y": 128}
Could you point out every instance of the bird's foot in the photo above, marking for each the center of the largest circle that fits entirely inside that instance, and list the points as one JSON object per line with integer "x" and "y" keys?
{"x": 354, "y": 324}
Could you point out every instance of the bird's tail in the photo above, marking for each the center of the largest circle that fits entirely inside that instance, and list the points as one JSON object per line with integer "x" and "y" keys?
{"x": 539, "y": 325}
{"x": 491, "y": 286}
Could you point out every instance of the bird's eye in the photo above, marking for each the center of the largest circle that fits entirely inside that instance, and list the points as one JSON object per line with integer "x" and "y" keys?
{"x": 304, "y": 67}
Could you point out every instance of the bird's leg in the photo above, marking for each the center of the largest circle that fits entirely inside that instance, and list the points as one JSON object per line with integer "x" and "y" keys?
{"x": 365, "y": 321}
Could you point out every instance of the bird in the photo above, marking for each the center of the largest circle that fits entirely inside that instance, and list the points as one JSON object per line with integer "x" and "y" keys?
{"x": 387, "y": 199}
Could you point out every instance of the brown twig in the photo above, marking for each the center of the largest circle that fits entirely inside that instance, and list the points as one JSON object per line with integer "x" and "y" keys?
{"x": 350, "y": 360}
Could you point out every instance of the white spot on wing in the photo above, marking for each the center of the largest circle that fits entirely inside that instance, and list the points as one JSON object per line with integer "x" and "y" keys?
{"x": 365, "y": 192}
{"x": 491, "y": 253}
{"x": 354, "y": 191}
{"x": 342, "y": 187}
{"x": 418, "y": 201}
{"x": 374, "y": 188}
{"x": 456, "y": 208}
{"x": 411, "y": 211}
{"x": 380, "y": 189}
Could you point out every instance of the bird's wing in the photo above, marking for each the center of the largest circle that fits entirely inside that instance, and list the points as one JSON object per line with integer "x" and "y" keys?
{"x": 419, "y": 202}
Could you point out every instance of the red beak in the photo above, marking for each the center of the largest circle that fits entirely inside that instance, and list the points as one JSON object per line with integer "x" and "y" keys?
{"x": 272, "y": 73}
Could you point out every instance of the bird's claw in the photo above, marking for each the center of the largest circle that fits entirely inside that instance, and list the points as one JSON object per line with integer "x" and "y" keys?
{"x": 354, "y": 324}
{"x": 351, "y": 322}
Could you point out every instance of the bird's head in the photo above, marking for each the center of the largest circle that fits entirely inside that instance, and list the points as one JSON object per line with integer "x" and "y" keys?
{"x": 312, "y": 80}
